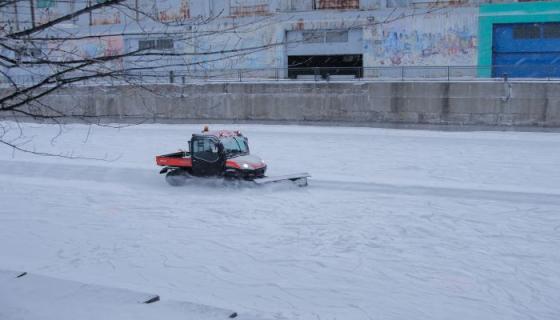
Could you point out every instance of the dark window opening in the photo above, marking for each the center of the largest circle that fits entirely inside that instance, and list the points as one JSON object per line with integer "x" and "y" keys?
{"x": 313, "y": 36}
{"x": 527, "y": 31}
{"x": 206, "y": 150}
{"x": 336, "y": 4}
{"x": 146, "y": 44}
{"x": 337, "y": 36}
{"x": 551, "y": 30}
{"x": 322, "y": 36}
{"x": 32, "y": 52}
{"x": 325, "y": 66}
{"x": 164, "y": 44}
{"x": 28, "y": 53}
{"x": 161, "y": 44}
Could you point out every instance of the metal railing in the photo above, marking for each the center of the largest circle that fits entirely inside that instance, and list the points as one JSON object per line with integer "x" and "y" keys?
{"x": 337, "y": 74}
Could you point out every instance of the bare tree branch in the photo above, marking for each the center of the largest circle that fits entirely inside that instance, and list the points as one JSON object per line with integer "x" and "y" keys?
{"x": 64, "y": 18}
{"x": 50, "y": 56}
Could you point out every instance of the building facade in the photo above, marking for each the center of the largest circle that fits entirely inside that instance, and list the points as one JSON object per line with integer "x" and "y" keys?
{"x": 300, "y": 38}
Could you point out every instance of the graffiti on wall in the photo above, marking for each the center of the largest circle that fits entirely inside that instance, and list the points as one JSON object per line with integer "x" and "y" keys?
{"x": 163, "y": 10}
{"x": 104, "y": 16}
{"x": 337, "y": 4}
{"x": 251, "y": 41}
{"x": 172, "y": 10}
{"x": 47, "y": 10}
{"x": 89, "y": 48}
{"x": 302, "y": 24}
{"x": 242, "y": 8}
{"x": 47, "y": 14}
{"x": 426, "y": 40}
{"x": 105, "y": 46}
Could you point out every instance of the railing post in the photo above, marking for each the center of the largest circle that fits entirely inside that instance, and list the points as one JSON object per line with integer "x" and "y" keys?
{"x": 239, "y": 72}
{"x": 448, "y": 76}
{"x": 171, "y": 77}
{"x": 402, "y": 73}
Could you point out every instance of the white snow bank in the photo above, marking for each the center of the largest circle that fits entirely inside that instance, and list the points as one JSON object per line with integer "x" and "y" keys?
{"x": 29, "y": 296}
{"x": 395, "y": 224}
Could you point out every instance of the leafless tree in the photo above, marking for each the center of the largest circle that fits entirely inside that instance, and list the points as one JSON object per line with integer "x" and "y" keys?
{"x": 40, "y": 57}
{"x": 31, "y": 71}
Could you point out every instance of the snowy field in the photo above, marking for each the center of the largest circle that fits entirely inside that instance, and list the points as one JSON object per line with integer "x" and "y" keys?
{"x": 395, "y": 224}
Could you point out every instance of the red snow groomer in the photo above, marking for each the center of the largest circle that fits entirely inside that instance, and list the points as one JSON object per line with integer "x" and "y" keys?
{"x": 222, "y": 154}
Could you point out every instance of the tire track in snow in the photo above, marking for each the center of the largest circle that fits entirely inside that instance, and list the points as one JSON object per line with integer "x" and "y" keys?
{"x": 77, "y": 171}
{"x": 446, "y": 192}
{"x": 134, "y": 177}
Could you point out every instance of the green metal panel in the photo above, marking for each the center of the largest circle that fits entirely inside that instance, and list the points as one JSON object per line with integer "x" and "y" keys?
{"x": 524, "y": 12}
{"x": 42, "y": 4}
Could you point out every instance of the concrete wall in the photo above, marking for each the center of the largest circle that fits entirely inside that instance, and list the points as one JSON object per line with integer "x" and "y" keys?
{"x": 460, "y": 103}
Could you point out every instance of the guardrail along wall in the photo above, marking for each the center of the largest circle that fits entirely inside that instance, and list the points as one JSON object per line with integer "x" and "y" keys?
{"x": 459, "y": 103}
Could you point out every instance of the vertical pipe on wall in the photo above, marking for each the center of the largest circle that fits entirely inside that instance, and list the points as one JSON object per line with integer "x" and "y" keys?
{"x": 32, "y": 9}
{"x": 90, "y": 13}
{"x": 137, "y": 10}
{"x": 16, "y": 15}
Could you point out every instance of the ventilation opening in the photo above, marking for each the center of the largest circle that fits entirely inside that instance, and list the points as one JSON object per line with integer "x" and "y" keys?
{"x": 325, "y": 66}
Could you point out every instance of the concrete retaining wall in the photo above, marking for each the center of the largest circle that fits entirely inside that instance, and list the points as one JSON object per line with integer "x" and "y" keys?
{"x": 457, "y": 103}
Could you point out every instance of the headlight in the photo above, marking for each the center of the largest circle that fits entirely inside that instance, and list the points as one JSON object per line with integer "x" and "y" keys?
{"x": 245, "y": 166}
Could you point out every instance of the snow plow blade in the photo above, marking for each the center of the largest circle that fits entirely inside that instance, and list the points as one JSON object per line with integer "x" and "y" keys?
{"x": 299, "y": 179}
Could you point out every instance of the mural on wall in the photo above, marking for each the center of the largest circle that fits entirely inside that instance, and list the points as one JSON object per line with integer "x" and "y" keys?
{"x": 172, "y": 10}
{"x": 424, "y": 40}
{"x": 330, "y": 22}
{"x": 106, "y": 15}
{"x": 47, "y": 10}
{"x": 263, "y": 57}
{"x": 146, "y": 8}
{"x": 163, "y": 10}
{"x": 252, "y": 43}
{"x": 89, "y": 48}
{"x": 337, "y": 4}
{"x": 105, "y": 46}
{"x": 240, "y": 8}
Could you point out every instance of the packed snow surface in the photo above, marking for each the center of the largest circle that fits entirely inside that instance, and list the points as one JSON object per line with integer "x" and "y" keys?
{"x": 395, "y": 224}
{"x": 28, "y": 296}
